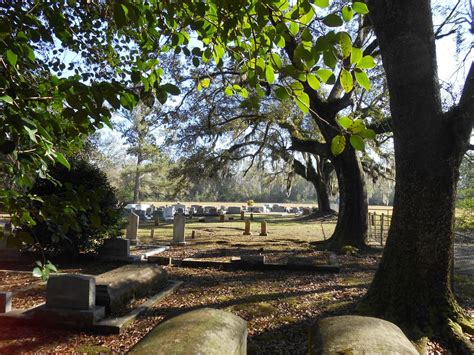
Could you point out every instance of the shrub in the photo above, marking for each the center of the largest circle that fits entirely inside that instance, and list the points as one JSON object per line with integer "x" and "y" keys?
{"x": 78, "y": 209}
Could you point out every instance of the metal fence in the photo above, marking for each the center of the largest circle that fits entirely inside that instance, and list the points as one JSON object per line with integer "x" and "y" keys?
{"x": 379, "y": 224}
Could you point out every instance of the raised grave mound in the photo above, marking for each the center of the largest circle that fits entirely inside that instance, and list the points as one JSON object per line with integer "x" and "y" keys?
{"x": 203, "y": 331}
{"x": 115, "y": 288}
{"x": 358, "y": 335}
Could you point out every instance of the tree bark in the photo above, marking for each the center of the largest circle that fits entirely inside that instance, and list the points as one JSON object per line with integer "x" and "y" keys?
{"x": 412, "y": 284}
{"x": 136, "y": 185}
{"x": 309, "y": 173}
{"x": 351, "y": 227}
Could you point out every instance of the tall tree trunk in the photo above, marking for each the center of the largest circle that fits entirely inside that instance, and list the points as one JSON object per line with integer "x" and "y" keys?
{"x": 351, "y": 227}
{"x": 136, "y": 185}
{"x": 412, "y": 284}
{"x": 309, "y": 173}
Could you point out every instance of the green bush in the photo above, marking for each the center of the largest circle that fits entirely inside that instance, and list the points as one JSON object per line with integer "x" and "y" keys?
{"x": 78, "y": 209}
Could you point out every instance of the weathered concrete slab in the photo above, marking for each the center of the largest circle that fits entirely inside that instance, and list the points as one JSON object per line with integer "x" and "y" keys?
{"x": 116, "y": 325}
{"x": 160, "y": 260}
{"x": 203, "y": 331}
{"x": 115, "y": 288}
{"x": 71, "y": 292}
{"x": 71, "y": 317}
{"x": 358, "y": 335}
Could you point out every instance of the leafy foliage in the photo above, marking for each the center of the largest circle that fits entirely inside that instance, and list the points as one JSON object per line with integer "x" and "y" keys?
{"x": 75, "y": 211}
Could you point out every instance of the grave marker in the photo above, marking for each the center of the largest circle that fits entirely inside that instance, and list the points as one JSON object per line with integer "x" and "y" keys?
{"x": 75, "y": 292}
{"x": 242, "y": 215}
{"x": 178, "y": 230}
{"x": 263, "y": 229}
{"x": 132, "y": 228}
{"x": 247, "y": 228}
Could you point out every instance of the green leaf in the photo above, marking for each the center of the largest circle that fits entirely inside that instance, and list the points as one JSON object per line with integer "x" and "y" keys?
{"x": 360, "y": 8}
{"x": 120, "y": 16}
{"x": 229, "y": 91}
{"x": 345, "y": 42}
{"x": 171, "y": 89}
{"x": 324, "y": 74}
{"x": 346, "y": 80}
{"x": 297, "y": 88}
{"x": 269, "y": 74}
{"x": 51, "y": 266}
{"x": 37, "y": 272}
{"x": 332, "y": 20}
{"x": 344, "y": 122}
{"x": 11, "y": 57}
{"x": 7, "y": 99}
{"x": 366, "y": 62}
{"x": 282, "y": 93}
{"x": 338, "y": 143}
{"x": 313, "y": 81}
{"x": 205, "y": 82}
{"x": 321, "y": 3}
{"x": 329, "y": 58}
{"x": 62, "y": 160}
{"x": 31, "y": 133}
{"x": 356, "y": 55}
{"x": 276, "y": 60}
{"x": 357, "y": 142}
{"x": 356, "y": 127}
{"x": 306, "y": 35}
{"x": 294, "y": 28}
{"x": 347, "y": 13}
{"x": 362, "y": 79}
{"x": 368, "y": 133}
{"x": 303, "y": 102}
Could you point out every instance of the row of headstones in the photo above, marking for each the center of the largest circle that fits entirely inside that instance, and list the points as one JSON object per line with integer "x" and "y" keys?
{"x": 179, "y": 225}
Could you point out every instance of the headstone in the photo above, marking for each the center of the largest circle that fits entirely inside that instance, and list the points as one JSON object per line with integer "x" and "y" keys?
{"x": 193, "y": 234}
{"x": 5, "y": 302}
{"x": 233, "y": 210}
{"x": 70, "y": 292}
{"x": 263, "y": 229}
{"x": 247, "y": 228}
{"x": 242, "y": 215}
{"x": 278, "y": 208}
{"x": 132, "y": 228}
{"x": 306, "y": 211}
{"x": 168, "y": 212}
{"x": 178, "y": 229}
{"x": 251, "y": 216}
{"x": 222, "y": 218}
{"x": 118, "y": 247}
{"x": 152, "y": 233}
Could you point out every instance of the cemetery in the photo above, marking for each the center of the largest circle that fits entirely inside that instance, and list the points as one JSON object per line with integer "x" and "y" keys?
{"x": 220, "y": 177}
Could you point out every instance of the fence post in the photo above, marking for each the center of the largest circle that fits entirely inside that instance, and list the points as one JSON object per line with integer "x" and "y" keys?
{"x": 381, "y": 229}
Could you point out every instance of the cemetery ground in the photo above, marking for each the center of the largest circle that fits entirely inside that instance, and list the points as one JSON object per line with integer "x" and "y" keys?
{"x": 279, "y": 305}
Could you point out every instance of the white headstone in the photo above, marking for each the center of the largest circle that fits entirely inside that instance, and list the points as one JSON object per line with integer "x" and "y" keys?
{"x": 178, "y": 229}
{"x": 132, "y": 228}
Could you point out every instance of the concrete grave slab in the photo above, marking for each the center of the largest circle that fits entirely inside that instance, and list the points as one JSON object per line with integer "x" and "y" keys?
{"x": 358, "y": 335}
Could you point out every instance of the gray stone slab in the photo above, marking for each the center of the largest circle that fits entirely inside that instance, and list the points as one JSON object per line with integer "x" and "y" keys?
{"x": 179, "y": 225}
{"x": 132, "y": 228}
{"x": 5, "y": 302}
{"x": 203, "y": 331}
{"x": 117, "y": 287}
{"x": 71, "y": 317}
{"x": 69, "y": 291}
{"x": 358, "y": 335}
